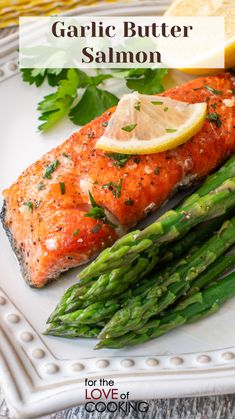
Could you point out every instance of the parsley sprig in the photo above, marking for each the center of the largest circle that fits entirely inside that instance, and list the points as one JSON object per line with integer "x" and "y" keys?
{"x": 82, "y": 96}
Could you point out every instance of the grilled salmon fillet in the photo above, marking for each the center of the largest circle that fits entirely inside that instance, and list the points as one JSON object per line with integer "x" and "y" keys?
{"x": 55, "y": 224}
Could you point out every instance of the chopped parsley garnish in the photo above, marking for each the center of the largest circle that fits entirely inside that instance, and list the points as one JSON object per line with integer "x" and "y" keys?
{"x": 114, "y": 187}
{"x": 90, "y": 135}
{"x": 67, "y": 156}
{"x": 233, "y": 91}
{"x": 129, "y": 202}
{"x": 214, "y": 105}
{"x": 62, "y": 188}
{"x": 157, "y": 170}
{"x": 75, "y": 233}
{"x": 214, "y": 117}
{"x": 96, "y": 228}
{"x": 137, "y": 160}
{"x": 137, "y": 106}
{"x": 157, "y": 102}
{"x": 105, "y": 124}
{"x": 119, "y": 159}
{"x": 50, "y": 169}
{"x": 171, "y": 130}
{"x": 166, "y": 109}
{"x": 129, "y": 128}
{"x": 98, "y": 213}
{"x": 29, "y": 204}
{"x": 41, "y": 186}
{"x": 212, "y": 90}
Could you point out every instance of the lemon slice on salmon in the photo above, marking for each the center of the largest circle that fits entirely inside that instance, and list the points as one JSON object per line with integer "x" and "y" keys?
{"x": 224, "y": 8}
{"x": 144, "y": 124}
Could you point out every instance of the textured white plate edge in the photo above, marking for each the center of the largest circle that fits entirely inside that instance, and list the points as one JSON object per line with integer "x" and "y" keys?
{"x": 207, "y": 373}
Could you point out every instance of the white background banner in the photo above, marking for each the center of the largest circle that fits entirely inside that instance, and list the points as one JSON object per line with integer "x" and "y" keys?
{"x": 121, "y": 42}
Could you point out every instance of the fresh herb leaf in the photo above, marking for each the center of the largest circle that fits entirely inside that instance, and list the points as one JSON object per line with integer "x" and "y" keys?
{"x": 29, "y": 76}
{"x": 214, "y": 117}
{"x": 100, "y": 78}
{"x": 156, "y": 102}
{"x": 55, "y": 75}
{"x": 114, "y": 187}
{"x": 129, "y": 202}
{"x": 92, "y": 104}
{"x": 137, "y": 106}
{"x": 157, "y": 170}
{"x": 75, "y": 233}
{"x": 98, "y": 212}
{"x": 67, "y": 156}
{"x": 137, "y": 160}
{"x": 41, "y": 186}
{"x": 62, "y": 188}
{"x": 119, "y": 159}
{"x": 38, "y": 75}
{"x": 29, "y": 204}
{"x": 214, "y": 105}
{"x": 171, "y": 130}
{"x": 96, "y": 228}
{"x": 212, "y": 90}
{"x": 165, "y": 109}
{"x": 50, "y": 169}
{"x": 105, "y": 124}
{"x": 94, "y": 101}
{"x": 146, "y": 81}
{"x": 55, "y": 106}
{"x": 129, "y": 128}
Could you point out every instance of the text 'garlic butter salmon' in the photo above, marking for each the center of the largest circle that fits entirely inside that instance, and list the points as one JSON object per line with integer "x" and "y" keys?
{"x": 76, "y": 200}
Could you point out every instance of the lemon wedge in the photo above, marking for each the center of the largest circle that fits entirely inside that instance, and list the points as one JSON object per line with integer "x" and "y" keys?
{"x": 224, "y": 8}
{"x": 144, "y": 124}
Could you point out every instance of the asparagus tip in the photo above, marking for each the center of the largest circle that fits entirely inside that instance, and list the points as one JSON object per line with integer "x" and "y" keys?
{"x": 99, "y": 345}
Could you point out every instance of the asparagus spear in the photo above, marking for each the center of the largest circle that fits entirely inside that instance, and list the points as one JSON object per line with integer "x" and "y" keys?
{"x": 105, "y": 309}
{"x": 85, "y": 331}
{"x": 168, "y": 227}
{"x": 194, "y": 237}
{"x": 69, "y": 302}
{"x": 105, "y": 312}
{"x": 78, "y": 296}
{"x": 126, "y": 249}
{"x": 118, "y": 280}
{"x": 68, "y": 331}
{"x": 213, "y": 271}
{"x": 91, "y": 314}
{"x": 196, "y": 307}
{"x": 155, "y": 300}
{"x": 213, "y": 181}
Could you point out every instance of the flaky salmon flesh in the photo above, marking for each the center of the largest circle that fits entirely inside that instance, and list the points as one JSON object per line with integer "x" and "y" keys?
{"x": 55, "y": 224}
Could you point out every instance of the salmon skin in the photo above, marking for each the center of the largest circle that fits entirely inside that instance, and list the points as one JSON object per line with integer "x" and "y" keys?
{"x": 48, "y": 211}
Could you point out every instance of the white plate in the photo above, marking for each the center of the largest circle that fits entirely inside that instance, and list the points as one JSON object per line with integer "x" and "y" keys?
{"x": 43, "y": 374}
